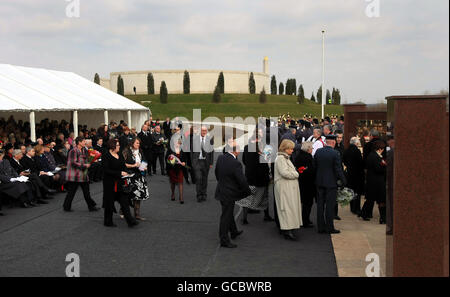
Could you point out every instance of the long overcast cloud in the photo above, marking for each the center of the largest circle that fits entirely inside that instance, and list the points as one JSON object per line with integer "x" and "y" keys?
{"x": 404, "y": 51}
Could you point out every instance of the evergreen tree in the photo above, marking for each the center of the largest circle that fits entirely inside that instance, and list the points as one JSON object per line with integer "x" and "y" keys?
{"x": 150, "y": 84}
{"x": 313, "y": 99}
{"x": 216, "y": 96}
{"x": 281, "y": 89}
{"x": 120, "y": 86}
{"x": 288, "y": 90}
{"x": 186, "y": 83}
{"x": 328, "y": 97}
{"x": 301, "y": 95}
{"x": 319, "y": 95}
{"x": 263, "y": 96}
{"x": 163, "y": 93}
{"x": 251, "y": 84}
{"x": 337, "y": 99}
{"x": 97, "y": 79}
{"x": 273, "y": 85}
{"x": 294, "y": 86}
{"x": 221, "y": 83}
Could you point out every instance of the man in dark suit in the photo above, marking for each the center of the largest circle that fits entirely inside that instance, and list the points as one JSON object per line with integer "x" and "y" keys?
{"x": 158, "y": 149}
{"x": 167, "y": 129}
{"x": 231, "y": 187}
{"x": 202, "y": 159}
{"x": 329, "y": 176}
{"x": 146, "y": 145}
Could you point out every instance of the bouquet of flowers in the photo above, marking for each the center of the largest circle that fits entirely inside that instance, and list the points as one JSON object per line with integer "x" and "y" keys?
{"x": 93, "y": 156}
{"x": 174, "y": 160}
{"x": 162, "y": 141}
{"x": 345, "y": 195}
{"x": 267, "y": 153}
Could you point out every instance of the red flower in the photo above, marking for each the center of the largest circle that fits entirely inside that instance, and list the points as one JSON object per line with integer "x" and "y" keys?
{"x": 301, "y": 169}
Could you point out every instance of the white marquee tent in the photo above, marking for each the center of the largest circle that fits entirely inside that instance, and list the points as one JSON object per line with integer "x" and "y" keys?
{"x": 33, "y": 94}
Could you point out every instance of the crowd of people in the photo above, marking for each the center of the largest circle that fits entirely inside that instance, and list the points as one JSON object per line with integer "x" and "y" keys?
{"x": 308, "y": 165}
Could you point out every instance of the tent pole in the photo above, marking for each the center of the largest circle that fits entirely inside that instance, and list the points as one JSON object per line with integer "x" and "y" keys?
{"x": 75, "y": 123}
{"x": 105, "y": 114}
{"x": 32, "y": 127}
{"x": 129, "y": 118}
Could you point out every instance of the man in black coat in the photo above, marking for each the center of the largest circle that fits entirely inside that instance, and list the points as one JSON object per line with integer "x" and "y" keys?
{"x": 329, "y": 176}
{"x": 146, "y": 145}
{"x": 167, "y": 129}
{"x": 354, "y": 164}
{"x": 202, "y": 159}
{"x": 231, "y": 187}
{"x": 306, "y": 181}
{"x": 158, "y": 149}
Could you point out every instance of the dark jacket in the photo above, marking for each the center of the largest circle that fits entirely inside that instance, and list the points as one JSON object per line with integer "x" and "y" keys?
{"x": 30, "y": 163}
{"x": 16, "y": 166}
{"x": 157, "y": 148}
{"x": 231, "y": 182}
{"x": 355, "y": 168}
{"x": 166, "y": 129}
{"x": 307, "y": 179}
{"x": 196, "y": 148}
{"x": 146, "y": 140}
{"x": 328, "y": 168}
{"x": 176, "y": 167}
{"x": 112, "y": 179}
{"x": 256, "y": 173}
{"x": 13, "y": 189}
{"x": 124, "y": 141}
{"x": 376, "y": 178}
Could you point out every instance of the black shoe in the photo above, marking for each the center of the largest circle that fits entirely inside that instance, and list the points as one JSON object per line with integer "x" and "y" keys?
{"x": 41, "y": 202}
{"x": 382, "y": 222}
{"x": 268, "y": 219}
{"x": 132, "y": 224}
{"x": 181, "y": 202}
{"x": 68, "y": 210}
{"x": 234, "y": 235}
{"x": 337, "y": 218}
{"x": 334, "y": 231}
{"x": 25, "y": 205}
{"x": 110, "y": 225}
{"x": 290, "y": 236}
{"x": 228, "y": 245}
{"x": 94, "y": 208}
{"x": 244, "y": 222}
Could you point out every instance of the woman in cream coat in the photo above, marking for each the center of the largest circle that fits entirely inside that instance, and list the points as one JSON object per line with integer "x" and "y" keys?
{"x": 286, "y": 191}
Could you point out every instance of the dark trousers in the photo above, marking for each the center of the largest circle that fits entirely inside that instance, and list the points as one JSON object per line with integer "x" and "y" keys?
{"x": 355, "y": 205}
{"x": 201, "y": 179}
{"x": 275, "y": 212}
{"x": 72, "y": 189}
{"x": 227, "y": 223}
{"x": 367, "y": 209}
{"x": 306, "y": 210}
{"x": 160, "y": 157}
{"x": 326, "y": 201}
{"x": 149, "y": 158}
{"x": 124, "y": 206}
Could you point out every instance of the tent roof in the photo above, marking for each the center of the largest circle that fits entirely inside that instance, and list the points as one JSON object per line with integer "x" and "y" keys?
{"x": 37, "y": 89}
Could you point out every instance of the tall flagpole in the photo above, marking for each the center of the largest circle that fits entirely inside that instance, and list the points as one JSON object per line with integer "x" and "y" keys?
{"x": 323, "y": 74}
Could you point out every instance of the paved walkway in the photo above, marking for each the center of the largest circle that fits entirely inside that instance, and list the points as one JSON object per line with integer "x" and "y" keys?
{"x": 177, "y": 240}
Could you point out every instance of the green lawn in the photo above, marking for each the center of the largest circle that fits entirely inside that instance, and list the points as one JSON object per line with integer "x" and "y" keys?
{"x": 232, "y": 105}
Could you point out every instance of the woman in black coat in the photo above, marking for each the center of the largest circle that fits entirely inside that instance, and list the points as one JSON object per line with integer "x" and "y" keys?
{"x": 306, "y": 180}
{"x": 354, "y": 164}
{"x": 113, "y": 170}
{"x": 375, "y": 182}
{"x": 257, "y": 174}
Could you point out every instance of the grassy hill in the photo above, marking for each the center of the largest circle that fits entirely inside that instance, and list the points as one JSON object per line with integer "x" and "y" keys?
{"x": 232, "y": 105}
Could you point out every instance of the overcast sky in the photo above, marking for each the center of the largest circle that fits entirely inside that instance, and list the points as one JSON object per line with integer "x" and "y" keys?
{"x": 403, "y": 51}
